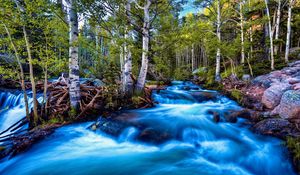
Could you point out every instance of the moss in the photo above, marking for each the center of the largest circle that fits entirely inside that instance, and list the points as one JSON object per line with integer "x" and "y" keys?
{"x": 155, "y": 83}
{"x": 54, "y": 120}
{"x": 293, "y": 144}
{"x": 237, "y": 95}
{"x": 72, "y": 112}
{"x": 135, "y": 100}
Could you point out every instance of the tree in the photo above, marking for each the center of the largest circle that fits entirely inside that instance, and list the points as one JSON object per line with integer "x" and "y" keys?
{"x": 146, "y": 37}
{"x": 74, "y": 86}
{"x": 270, "y": 34}
{"x": 288, "y": 33}
{"x": 128, "y": 82}
{"x": 22, "y": 77}
{"x": 277, "y": 25}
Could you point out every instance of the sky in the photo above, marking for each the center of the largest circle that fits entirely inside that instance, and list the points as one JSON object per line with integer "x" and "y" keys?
{"x": 188, "y": 8}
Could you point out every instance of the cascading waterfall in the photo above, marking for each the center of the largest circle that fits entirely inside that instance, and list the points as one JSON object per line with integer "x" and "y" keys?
{"x": 12, "y": 108}
{"x": 196, "y": 145}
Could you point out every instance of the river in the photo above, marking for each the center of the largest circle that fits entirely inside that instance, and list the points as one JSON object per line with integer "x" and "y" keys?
{"x": 198, "y": 144}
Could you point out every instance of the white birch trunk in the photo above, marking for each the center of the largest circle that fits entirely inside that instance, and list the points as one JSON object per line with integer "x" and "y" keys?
{"x": 288, "y": 34}
{"x": 218, "y": 56}
{"x": 127, "y": 82}
{"x": 242, "y": 33}
{"x": 144, "y": 68}
{"x": 277, "y": 26}
{"x": 270, "y": 35}
{"x": 74, "y": 86}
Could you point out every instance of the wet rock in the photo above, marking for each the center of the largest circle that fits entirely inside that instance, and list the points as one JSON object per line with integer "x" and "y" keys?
{"x": 116, "y": 124}
{"x": 216, "y": 117}
{"x": 205, "y": 95}
{"x": 271, "y": 97}
{"x": 110, "y": 126}
{"x": 154, "y": 136}
{"x": 244, "y": 113}
{"x": 273, "y": 126}
{"x": 289, "y": 106}
{"x": 230, "y": 118}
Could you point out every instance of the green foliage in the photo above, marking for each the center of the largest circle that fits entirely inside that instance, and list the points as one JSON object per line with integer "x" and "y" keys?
{"x": 237, "y": 95}
{"x": 111, "y": 79}
{"x": 182, "y": 73}
{"x": 294, "y": 146}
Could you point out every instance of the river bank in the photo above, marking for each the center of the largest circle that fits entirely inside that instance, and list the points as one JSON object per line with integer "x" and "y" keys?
{"x": 272, "y": 104}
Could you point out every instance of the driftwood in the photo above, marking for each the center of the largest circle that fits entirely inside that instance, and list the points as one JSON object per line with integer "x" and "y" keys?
{"x": 92, "y": 99}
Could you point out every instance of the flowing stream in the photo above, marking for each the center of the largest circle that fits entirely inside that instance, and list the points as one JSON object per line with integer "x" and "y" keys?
{"x": 198, "y": 145}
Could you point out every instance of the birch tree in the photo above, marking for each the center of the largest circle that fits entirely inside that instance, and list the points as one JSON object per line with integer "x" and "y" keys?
{"x": 242, "y": 32}
{"x": 277, "y": 25}
{"x": 146, "y": 37}
{"x": 128, "y": 82}
{"x": 218, "y": 56}
{"x": 74, "y": 84}
{"x": 288, "y": 33}
{"x": 270, "y": 34}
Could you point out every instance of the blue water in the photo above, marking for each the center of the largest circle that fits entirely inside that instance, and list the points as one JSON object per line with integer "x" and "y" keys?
{"x": 199, "y": 145}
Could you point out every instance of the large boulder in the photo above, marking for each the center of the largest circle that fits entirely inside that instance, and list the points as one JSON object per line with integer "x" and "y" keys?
{"x": 295, "y": 64}
{"x": 272, "y": 95}
{"x": 290, "y": 104}
{"x": 274, "y": 126}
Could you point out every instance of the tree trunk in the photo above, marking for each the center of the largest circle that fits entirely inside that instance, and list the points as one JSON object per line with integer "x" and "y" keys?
{"x": 277, "y": 26}
{"x": 242, "y": 34}
{"x": 218, "y": 56}
{"x": 270, "y": 35}
{"x": 35, "y": 102}
{"x": 144, "y": 68}
{"x": 193, "y": 55}
{"x": 128, "y": 82}
{"x": 288, "y": 34}
{"x": 74, "y": 86}
{"x": 122, "y": 48}
{"x": 46, "y": 78}
{"x": 251, "y": 36}
{"x": 21, "y": 72}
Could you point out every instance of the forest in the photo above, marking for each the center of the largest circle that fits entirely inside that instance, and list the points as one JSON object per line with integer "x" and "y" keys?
{"x": 149, "y": 87}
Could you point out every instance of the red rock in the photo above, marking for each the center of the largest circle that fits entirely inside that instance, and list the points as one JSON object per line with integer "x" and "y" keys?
{"x": 290, "y": 104}
{"x": 272, "y": 96}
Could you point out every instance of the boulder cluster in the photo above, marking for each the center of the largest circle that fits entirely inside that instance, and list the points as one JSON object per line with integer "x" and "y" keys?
{"x": 280, "y": 91}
